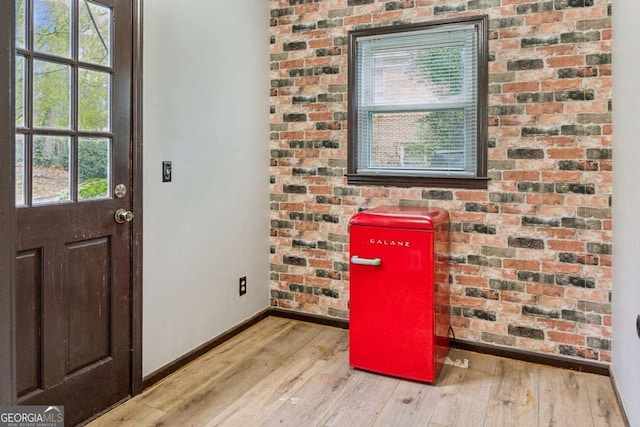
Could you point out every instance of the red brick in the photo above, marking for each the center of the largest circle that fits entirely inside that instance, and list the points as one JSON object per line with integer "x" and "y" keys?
{"x": 561, "y": 84}
{"x": 467, "y": 216}
{"x": 518, "y": 297}
{"x": 556, "y": 119}
{"x": 460, "y": 322}
{"x": 518, "y": 209}
{"x": 320, "y": 117}
{"x": 316, "y": 62}
{"x": 306, "y": 8}
{"x": 561, "y": 176}
{"x": 355, "y": 20}
{"x": 306, "y": 153}
{"x": 565, "y": 338}
{"x": 474, "y": 281}
{"x": 556, "y": 233}
{"x": 557, "y": 211}
{"x": 303, "y": 81}
{"x": 587, "y": 107}
{"x": 467, "y": 301}
{"x": 317, "y": 281}
{"x": 519, "y": 264}
{"x": 521, "y": 87}
{"x": 580, "y": 13}
{"x": 594, "y": 295}
{"x": 317, "y": 134}
{"x": 540, "y": 18}
{"x": 486, "y": 326}
{"x": 555, "y": 50}
{"x": 556, "y": 302}
{"x": 291, "y": 278}
{"x": 320, "y": 43}
{"x": 504, "y": 307}
{"x": 565, "y": 61}
{"x": 556, "y": 141}
{"x": 542, "y": 289}
{"x": 517, "y": 120}
{"x": 287, "y": 20}
{"x": 545, "y": 199}
{"x": 296, "y": 63}
{"x": 319, "y": 263}
{"x": 460, "y": 238}
{"x": 387, "y": 16}
{"x": 306, "y": 298}
{"x": 521, "y": 175}
{"x": 558, "y": 325}
{"x": 291, "y": 135}
{"x": 478, "y": 196}
{"x": 566, "y": 245}
{"x": 565, "y": 153}
{"x": 517, "y": 32}
{"x": 548, "y": 108}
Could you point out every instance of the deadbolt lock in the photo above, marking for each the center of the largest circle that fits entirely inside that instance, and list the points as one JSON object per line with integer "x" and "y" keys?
{"x": 120, "y": 191}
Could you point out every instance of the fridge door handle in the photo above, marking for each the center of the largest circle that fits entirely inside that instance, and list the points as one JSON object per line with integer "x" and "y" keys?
{"x": 365, "y": 261}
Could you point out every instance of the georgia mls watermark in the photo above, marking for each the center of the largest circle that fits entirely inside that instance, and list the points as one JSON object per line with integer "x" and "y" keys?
{"x": 31, "y": 416}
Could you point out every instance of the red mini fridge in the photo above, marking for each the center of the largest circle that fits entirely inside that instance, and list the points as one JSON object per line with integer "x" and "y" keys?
{"x": 399, "y": 291}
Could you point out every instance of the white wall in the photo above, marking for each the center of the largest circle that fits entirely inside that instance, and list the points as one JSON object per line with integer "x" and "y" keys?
{"x": 206, "y": 109}
{"x": 626, "y": 204}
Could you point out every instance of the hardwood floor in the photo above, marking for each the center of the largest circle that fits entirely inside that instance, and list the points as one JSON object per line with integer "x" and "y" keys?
{"x": 283, "y": 372}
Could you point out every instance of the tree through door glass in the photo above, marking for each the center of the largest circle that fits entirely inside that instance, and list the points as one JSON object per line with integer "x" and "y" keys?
{"x": 64, "y": 74}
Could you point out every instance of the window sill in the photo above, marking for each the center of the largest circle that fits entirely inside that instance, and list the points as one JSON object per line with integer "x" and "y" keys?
{"x": 418, "y": 181}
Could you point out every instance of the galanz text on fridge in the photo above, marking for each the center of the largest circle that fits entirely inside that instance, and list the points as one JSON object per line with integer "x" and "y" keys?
{"x": 389, "y": 243}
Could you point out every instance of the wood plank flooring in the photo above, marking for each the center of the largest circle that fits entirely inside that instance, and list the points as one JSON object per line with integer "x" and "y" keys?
{"x": 283, "y": 372}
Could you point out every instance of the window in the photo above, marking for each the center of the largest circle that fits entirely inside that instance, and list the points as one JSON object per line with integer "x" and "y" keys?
{"x": 418, "y": 104}
{"x": 63, "y": 108}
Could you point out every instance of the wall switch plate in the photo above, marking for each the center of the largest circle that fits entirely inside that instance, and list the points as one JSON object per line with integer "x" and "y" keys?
{"x": 243, "y": 285}
{"x": 166, "y": 171}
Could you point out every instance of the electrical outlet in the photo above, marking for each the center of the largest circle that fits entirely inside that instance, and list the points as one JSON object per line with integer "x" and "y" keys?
{"x": 242, "y": 285}
{"x": 638, "y": 325}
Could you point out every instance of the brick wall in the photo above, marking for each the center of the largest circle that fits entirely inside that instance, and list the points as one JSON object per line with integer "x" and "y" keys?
{"x": 531, "y": 256}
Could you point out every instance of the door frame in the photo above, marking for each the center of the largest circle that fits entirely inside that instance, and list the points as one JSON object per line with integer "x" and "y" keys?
{"x": 136, "y": 201}
{"x": 8, "y": 222}
{"x": 7, "y": 205}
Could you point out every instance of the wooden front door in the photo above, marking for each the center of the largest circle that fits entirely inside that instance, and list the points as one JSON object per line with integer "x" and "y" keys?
{"x": 73, "y": 68}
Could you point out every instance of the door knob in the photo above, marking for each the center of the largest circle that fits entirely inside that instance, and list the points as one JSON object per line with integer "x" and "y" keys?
{"x": 123, "y": 215}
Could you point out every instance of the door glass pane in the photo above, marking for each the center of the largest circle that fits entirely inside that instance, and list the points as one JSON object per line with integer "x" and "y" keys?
{"x": 50, "y": 174}
{"x": 20, "y": 21}
{"x": 93, "y": 167}
{"x": 93, "y": 100}
{"x": 95, "y": 33}
{"x": 20, "y": 92}
{"x": 19, "y": 169}
{"x": 51, "y": 95}
{"x": 52, "y": 27}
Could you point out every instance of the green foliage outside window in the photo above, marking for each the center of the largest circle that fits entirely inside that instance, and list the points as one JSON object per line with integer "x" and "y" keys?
{"x": 52, "y": 92}
{"x": 442, "y": 69}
